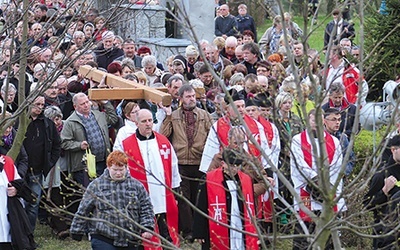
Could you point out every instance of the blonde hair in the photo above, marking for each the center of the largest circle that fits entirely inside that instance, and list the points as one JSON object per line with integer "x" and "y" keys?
{"x": 219, "y": 41}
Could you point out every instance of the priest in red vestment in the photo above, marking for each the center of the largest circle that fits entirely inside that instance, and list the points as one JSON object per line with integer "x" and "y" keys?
{"x": 152, "y": 160}
{"x": 227, "y": 197}
{"x": 305, "y": 171}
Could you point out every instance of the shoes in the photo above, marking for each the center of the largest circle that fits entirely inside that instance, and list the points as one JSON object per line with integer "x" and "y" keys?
{"x": 63, "y": 234}
{"x": 189, "y": 238}
{"x": 43, "y": 221}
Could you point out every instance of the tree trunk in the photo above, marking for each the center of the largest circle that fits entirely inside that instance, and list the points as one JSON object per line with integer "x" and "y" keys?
{"x": 23, "y": 120}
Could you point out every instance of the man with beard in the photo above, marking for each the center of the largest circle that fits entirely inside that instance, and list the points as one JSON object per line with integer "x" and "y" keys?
{"x": 187, "y": 129}
{"x": 152, "y": 161}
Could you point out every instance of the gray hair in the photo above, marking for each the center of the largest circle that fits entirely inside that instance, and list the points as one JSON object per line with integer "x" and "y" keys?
{"x": 149, "y": 60}
{"x": 175, "y": 77}
{"x": 78, "y": 33}
{"x": 235, "y": 78}
{"x": 10, "y": 88}
{"x": 52, "y": 112}
{"x": 185, "y": 88}
{"x": 127, "y": 62}
{"x": 76, "y": 96}
{"x": 336, "y": 87}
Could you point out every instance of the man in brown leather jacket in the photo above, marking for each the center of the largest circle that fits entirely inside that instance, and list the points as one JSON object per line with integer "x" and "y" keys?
{"x": 187, "y": 129}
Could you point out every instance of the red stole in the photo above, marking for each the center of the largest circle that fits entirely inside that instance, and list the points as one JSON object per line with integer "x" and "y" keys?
{"x": 223, "y": 127}
{"x": 138, "y": 171}
{"x": 9, "y": 168}
{"x": 306, "y": 148}
{"x": 269, "y": 132}
{"x": 216, "y": 195}
{"x": 264, "y": 208}
{"x": 349, "y": 78}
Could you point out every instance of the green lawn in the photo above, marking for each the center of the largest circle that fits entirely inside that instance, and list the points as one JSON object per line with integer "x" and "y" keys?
{"x": 316, "y": 32}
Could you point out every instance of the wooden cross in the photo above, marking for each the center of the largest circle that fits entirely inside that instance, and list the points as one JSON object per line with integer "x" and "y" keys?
{"x": 120, "y": 88}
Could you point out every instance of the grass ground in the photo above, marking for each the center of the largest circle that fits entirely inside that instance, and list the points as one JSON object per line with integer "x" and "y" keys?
{"x": 315, "y": 31}
{"x": 47, "y": 241}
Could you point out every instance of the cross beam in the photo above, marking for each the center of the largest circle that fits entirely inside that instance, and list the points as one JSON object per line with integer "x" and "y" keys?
{"x": 121, "y": 88}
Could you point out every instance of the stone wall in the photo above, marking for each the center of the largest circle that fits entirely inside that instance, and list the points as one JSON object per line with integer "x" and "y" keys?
{"x": 138, "y": 21}
{"x": 164, "y": 48}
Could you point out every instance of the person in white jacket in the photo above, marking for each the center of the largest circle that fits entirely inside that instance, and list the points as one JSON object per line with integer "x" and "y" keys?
{"x": 130, "y": 110}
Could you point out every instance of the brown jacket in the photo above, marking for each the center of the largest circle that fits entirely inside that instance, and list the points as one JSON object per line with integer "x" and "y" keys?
{"x": 174, "y": 127}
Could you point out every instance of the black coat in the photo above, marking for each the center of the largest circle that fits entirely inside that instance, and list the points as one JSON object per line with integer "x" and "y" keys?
{"x": 351, "y": 33}
{"x": 52, "y": 144}
{"x": 201, "y": 224}
{"x": 20, "y": 227}
{"x": 105, "y": 57}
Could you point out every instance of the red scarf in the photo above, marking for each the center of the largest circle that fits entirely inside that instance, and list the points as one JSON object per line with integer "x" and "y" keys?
{"x": 216, "y": 194}
{"x": 138, "y": 171}
{"x": 269, "y": 133}
{"x": 223, "y": 128}
{"x": 306, "y": 148}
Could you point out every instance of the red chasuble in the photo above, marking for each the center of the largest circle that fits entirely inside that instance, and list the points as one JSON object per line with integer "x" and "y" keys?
{"x": 306, "y": 148}
{"x": 216, "y": 195}
{"x": 223, "y": 127}
{"x": 9, "y": 168}
{"x": 138, "y": 171}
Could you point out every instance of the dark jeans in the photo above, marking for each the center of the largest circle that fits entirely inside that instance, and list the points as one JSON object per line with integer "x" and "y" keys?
{"x": 163, "y": 227}
{"x": 190, "y": 175}
{"x": 34, "y": 182}
{"x": 98, "y": 244}
{"x": 5, "y": 246}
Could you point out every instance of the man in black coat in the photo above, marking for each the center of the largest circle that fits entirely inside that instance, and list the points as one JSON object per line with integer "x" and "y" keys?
{"x": 107, "y": 53}
{"x": 43, "y": 146}
{"x": 383, "y": 198}
{"x": 338, "y": 29}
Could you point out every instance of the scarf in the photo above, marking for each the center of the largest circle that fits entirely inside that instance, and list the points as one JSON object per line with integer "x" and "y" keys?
{"x": 190, "y": 121}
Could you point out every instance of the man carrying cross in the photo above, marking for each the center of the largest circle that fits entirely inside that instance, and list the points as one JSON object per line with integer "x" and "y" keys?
{"x": 152, "y": 160}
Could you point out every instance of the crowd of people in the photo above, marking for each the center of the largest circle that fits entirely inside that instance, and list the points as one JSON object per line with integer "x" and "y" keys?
{"x": 190, "y": 170}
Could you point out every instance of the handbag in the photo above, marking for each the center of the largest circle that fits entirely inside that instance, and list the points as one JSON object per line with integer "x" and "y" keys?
{"x": 91, "y": 163}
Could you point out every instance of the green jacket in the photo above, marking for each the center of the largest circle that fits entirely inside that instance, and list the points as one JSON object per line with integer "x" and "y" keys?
{"x": 73, "y": 133}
